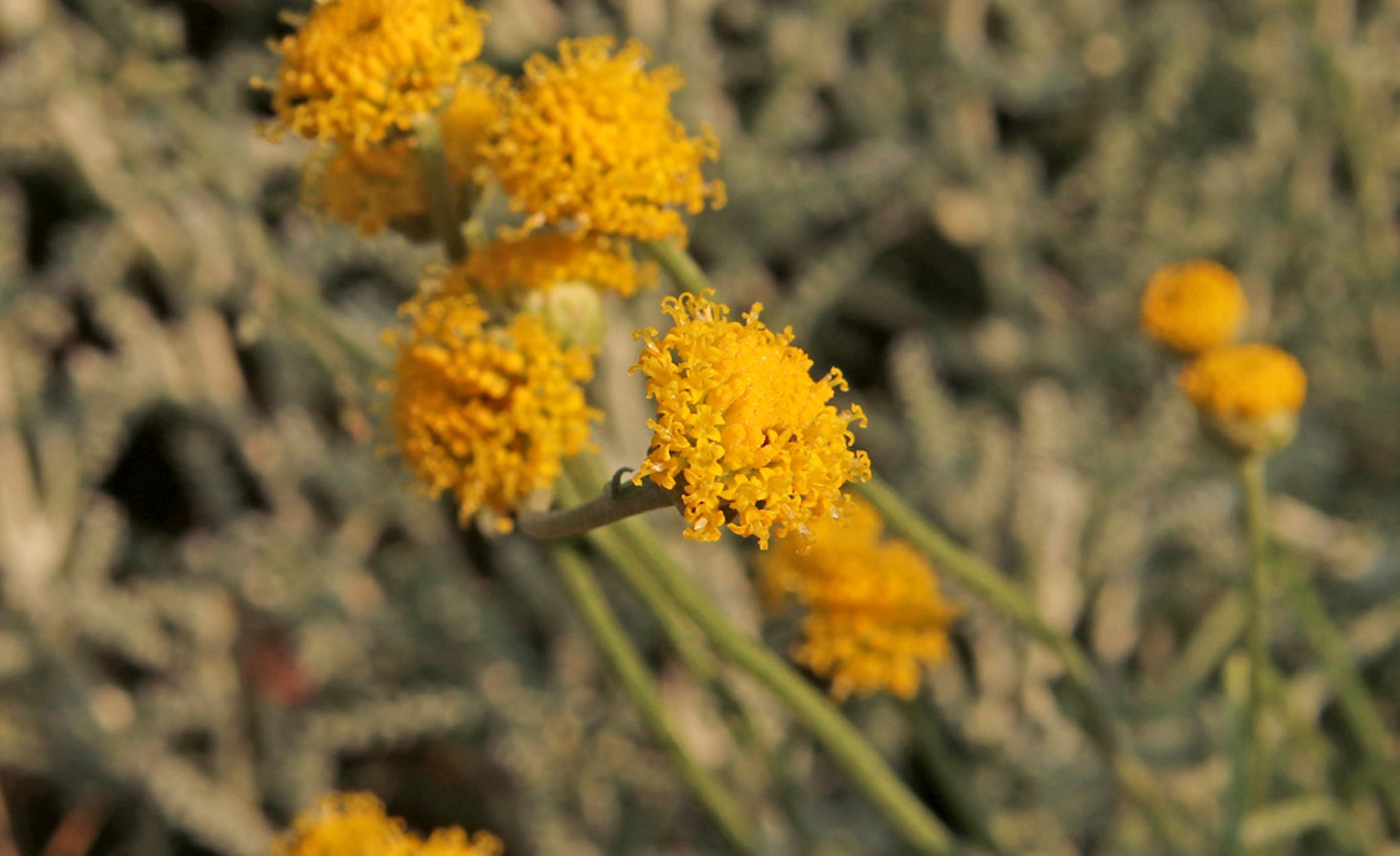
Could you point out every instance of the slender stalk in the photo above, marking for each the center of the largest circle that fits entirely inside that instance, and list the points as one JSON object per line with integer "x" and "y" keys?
{"x": 1134, "y": 777}
{"x": 1236, "y": 675}
{"x": 442, "y": 197}
{"x": 627, "y": 663}
{"x": 1358, "y": 708}
{"x": 1256, "y": 771}
{"x": 690, "y": 649}
{"x": 685, "y": 274}
{"x": 910, "y": 818}
{"x": 616, "y": 503}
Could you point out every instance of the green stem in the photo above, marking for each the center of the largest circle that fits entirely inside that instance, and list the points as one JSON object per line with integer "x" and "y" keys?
{"x": 685, "y": 274}
{"x": 1358, "y": 708}
{"x": 617, "y": 502}
{"x": 606, "y": 631}
{"x": 1136, "y": 780}
{"x": 442, "y": 196}
{"x": 910, "y": 818}
{"x": 1256, "y": 771}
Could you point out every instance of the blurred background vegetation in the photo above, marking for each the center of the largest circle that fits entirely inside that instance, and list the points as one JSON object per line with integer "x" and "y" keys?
{"x": 217, "y": 600}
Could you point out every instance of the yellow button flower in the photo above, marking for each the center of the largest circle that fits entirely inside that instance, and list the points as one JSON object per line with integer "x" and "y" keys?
{"x": 356, "y": 825}
{"x": 486, "y": 412}
{"x": 469, "y": 118}
{"x": 546, "y": 259}
{"x": 591, "y": 139}
{"x": 1193, "y": 306}
{"x": 367, "y": 188}
{"x": 358, "y": 70}
{"x": 742, "y": 427}
{"x": 875, "y": 613}
{"x": 1251, "y": 394}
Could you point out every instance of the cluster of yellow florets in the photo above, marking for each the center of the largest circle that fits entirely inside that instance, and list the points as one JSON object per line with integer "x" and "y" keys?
{"x": 1248, "y": 381}
{"x": 367, "y": 188}
{"x": 487, "y": 412}
{"x": 356, "y": 825}
{"x": 875, "y": 613}
{"x": 741, "y": 426}
{"x": 1193, "y": 306}
{"x": 543, "y": 260}
{"x": 1249, "y": 394}
{"x": 357, "y": 71}
{"x": 590, "y": 141}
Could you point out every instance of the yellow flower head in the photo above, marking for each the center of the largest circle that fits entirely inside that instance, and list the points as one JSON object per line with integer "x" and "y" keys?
{"x": 1249, "y": 394}
{"x": 467, "y": 121}
{"x": 545, "y": 259}
{"x": 742, "y": 426}
{"x": 1251, "y": 381}
{"x": 591, "y": 139}
{"x": 875, "y": 613}
{"x": 367, "y": 188}
{"x": 486, "y": 412}
{"x": 356, "y": 825}
{"x": 357, "y": 70}
{"x": 1193, "y": 306}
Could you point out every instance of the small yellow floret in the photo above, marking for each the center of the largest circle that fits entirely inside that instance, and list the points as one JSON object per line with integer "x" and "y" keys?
{"x": 356, "y": 825}
{"x": 545, "y": 259}
{"x": 875, "y": 613}
{"x": 591, "y": 139}
{"x": 367, "y": 188}
{"x": 358, "y": 70}
{"x": 1248, "y": 381}
{"x": 486, "y": 412}
{"x": 742, "y": 426}
{"x": 1193, "y": 306}
{"x": 468, "y": 120}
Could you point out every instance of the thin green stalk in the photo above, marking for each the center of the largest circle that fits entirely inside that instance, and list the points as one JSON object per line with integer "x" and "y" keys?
{"x": 1358, "y": 708}
{"x": 1260, "y": 593}
{"x": 1136, "y": 780}
{"x": 443, "y": 206}
{"x": 616, "y": 503}
{"x": 1217, "y": 634}
{"x": 685, "y": 274}
{"x": 689, "y": 648}
{"x": 910, "y": 818}
{"x": 1235, "y": 677}
{"x": 627, "y": 663}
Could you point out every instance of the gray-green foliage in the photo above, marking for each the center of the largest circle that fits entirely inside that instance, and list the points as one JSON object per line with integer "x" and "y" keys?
{"x": 218, "y": 601}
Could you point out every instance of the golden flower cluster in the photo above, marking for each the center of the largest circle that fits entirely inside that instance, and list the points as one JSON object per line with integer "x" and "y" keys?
{"x": 367, "y": 188}
{"x": 1193, "y": 306}
{"x": 543, "y": 260}
{"x": 875, "y": 613}
{"x": 742, "y": 427}
{"x": 1248, "y": 395}
{"x": 357, "y": 71}
{"x": 1249, "y": 381}
{"x": 351, "y": 824}
{"x": 487, "y": 412}
{"x": 590, "y": 141}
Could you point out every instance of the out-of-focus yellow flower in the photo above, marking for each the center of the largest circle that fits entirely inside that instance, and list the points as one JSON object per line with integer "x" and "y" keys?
{"x": 357, "y": 70}
{"x": 356, "y": 825}
{"x": 741, "y": 425}
{"x": 875, "y": 613}
{"x": 591, "y": 139}
{"x": 367, "y": 188}
{"x": 545, "y": 259}
{"x": 1251, "y": 394}
{"x": 486, "y": 412}
{"x": 467, "y": 121}
{"x": 1193, "y": 306}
